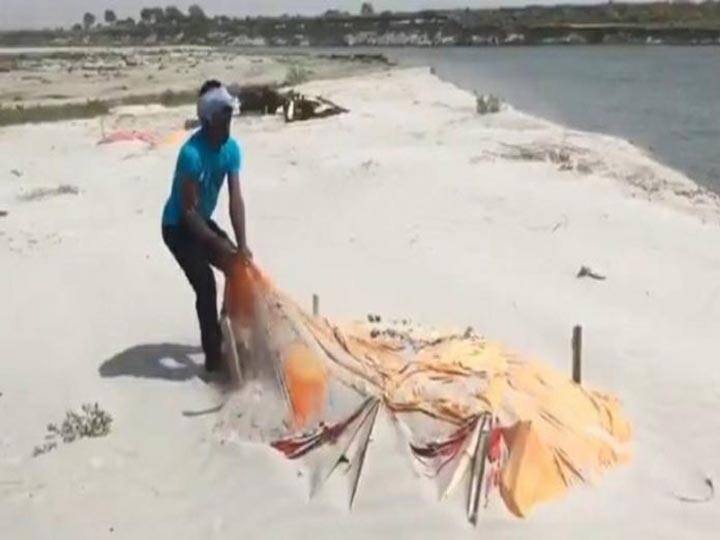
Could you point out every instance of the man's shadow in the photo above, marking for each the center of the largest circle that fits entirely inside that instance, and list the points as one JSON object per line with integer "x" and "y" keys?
{"x": 168, "y": 361}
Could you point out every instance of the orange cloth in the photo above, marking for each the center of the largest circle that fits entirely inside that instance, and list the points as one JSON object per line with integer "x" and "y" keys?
{"x": 557, "y": 433}
{"x": 306, "y": 381}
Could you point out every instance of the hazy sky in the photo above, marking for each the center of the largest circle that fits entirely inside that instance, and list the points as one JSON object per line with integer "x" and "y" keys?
{"x": 43, "y": 13}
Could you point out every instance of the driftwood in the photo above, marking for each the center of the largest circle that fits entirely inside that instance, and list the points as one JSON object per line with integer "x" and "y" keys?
{"x": 586, "y": 271}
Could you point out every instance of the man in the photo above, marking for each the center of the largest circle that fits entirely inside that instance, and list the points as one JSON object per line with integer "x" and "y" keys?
{"x": 195, "y": 240}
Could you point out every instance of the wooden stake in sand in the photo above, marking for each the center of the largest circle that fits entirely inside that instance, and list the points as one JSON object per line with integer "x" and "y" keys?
{"x": 481, "y": 434}
{"x": 577, "y": 354}
{"x": 316, "y": 305}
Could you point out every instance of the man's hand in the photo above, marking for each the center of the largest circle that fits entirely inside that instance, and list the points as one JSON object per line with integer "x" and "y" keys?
{"x": 245, "y": 253}
{"x": 227, "y": 254}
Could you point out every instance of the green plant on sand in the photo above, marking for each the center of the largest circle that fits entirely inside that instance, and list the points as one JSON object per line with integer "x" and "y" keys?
{"x": 296, "y": 74}
{"x": 91, "y": 422}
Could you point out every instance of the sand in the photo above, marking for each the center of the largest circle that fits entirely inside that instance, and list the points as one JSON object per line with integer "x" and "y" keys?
{"x": 411, "y": 206}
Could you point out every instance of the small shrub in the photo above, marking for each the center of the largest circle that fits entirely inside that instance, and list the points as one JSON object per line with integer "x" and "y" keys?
{"x": 91, "y": 422}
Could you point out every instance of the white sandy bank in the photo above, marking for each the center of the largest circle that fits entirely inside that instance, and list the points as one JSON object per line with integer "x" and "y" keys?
{"x": 411, "y": 205}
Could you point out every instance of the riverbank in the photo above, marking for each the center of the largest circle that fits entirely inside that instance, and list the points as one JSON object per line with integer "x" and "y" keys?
{"x": 50, "y": 84}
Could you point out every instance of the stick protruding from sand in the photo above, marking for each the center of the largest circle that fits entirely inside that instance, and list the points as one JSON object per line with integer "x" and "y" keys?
{"x": 577, "y": 354}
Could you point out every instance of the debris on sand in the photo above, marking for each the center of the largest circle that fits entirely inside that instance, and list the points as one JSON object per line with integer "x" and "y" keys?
{"x": 487, "y": 104}
{"x": 586, "y": 271}
{"x": 3, "y": 213}
{"x": 91, "y": 422}
{"x": 43, "y": 193}
{"x": 566, "y": 157}
{"x": 16, "y": 173}
{"x": 300, "y": 107}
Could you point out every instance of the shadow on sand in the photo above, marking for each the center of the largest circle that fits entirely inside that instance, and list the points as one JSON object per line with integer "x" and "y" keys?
{"x": 168, "y": 361}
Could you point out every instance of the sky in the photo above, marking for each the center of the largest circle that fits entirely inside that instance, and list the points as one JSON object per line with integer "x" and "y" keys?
{"x": 51, "y": 13}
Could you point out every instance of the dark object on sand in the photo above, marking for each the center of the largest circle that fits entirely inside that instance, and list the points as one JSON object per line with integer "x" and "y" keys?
{"x": 300, "y": 107}
{"x": 586, "y": 271}
{"x": 263, "y": 99}
{"x": 487, "y": 103}
{"x": 257, "y": 98}
{"x": 3, "y": 213}
{"x": 16, "y": 173}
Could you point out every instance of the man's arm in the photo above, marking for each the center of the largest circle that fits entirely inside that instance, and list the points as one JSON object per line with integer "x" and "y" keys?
{"x": 222, "y": 251}
{"x": 237, "y": 214}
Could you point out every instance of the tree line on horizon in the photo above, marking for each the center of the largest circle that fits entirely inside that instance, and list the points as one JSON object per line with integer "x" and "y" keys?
{"x": 676, "y": 12}
{"x": 174, "y": 16}
{"x": 151, "y": 15}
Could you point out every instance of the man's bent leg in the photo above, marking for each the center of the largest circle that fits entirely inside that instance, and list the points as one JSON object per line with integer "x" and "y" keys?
{"x": 206, "y": 307}
{"x": 194, "y": 262}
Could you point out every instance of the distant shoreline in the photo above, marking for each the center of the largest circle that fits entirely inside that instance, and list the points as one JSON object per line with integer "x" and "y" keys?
{"x": 11, "y": 50}
{"x": 601, "y": 24}
{"x": 570, "y": 39}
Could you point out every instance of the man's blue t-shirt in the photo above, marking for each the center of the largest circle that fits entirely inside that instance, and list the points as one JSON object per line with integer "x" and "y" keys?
{"x": 208, "y": 167}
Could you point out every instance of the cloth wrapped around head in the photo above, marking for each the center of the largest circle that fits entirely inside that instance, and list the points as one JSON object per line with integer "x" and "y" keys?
{"x": 214, "y": 101}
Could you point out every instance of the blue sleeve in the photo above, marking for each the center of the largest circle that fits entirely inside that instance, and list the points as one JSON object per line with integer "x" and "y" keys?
{"x": 234, "y": 157}
{"x": 189, "y": 165}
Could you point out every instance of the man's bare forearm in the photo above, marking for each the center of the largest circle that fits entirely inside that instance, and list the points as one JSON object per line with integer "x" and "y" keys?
{"x": 237, "y": 217}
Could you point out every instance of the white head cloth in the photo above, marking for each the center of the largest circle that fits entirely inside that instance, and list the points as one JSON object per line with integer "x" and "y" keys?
{"x": 214, "y": 101}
